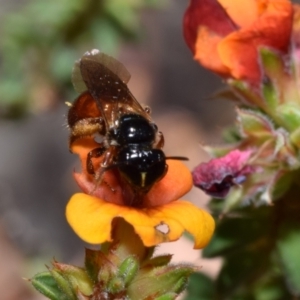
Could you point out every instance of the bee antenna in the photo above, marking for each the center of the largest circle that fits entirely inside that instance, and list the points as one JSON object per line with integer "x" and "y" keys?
{"x": 177, "y": 157}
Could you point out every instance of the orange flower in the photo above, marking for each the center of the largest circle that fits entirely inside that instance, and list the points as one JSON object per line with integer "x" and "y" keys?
{"x": 159, "y": 218}
{"x": 176, "y": 183}
{"x": 296, "y": 31}
{"x": 225, "y": 35}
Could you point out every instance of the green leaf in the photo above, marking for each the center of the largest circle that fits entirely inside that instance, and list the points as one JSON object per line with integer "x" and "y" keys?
{"x": 271, "y": 287}
{"x": 233, "y": 199}
{"x": 254, "y": 124}
{"x": 63, "y": 284}
{"x": 104, "y": 33}
{"x": 231, "y": 135}
{"x": 289, "y": 115}
{"x": 159, "y": 281}
{"x": 158, "y": 261}
{"x": 128, "y": 269}
{"x": 122, "y": 13}
{"x": 200, "y": 287}
{"x": 241, "y": 268}
{"x": 270, "y": 95}
{"x": 247, "y": 93}
{"x": 168, "y": 296}
{"x": 275, "y": 88}
{"x": 226, "y": 93}
{"x": 46, "y": 285}
{"x": 281, "y": 184}
{"x": 289, "y": 249}
{"x": 280, "y": 86}
{"x": 295, "y": 137}
{"x": 273, "y": 64}
{"x": 93, "y": 261}
{"x": 116, "y": 285}
{"x": 77, "y": 277}
{"x": 11, "y": 89}
{"x": 250, "y": 225}
{"x": 60, "y": 61}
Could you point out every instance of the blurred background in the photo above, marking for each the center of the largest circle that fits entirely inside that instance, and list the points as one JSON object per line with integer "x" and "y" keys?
{"x": 40, "y": 40}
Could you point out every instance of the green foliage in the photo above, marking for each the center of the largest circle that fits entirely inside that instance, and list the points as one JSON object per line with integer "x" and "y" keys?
{"x": 260, "y": 250}
{"x": 235, "y": 232}
{"x": 64, "y": 284}
{"x": 200, "y": 287}
{"x": 288, "y": 250}
{"x": 257, "y": 233}
{"x": 289, "y": 115}
{"x": 47, "y": 285}
{"x": 128, "y": 269}
{"x": 107, "y": 275}
{"x": 40, "y": 42}
{"x": 93, "y": 261}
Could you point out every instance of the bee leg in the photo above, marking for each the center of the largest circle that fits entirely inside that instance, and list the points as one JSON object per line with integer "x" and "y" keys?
{"x": 159, "y": 140}
{"x": 97, "y": 152}
{"x": 106, "y": 163}
{"x": 111, "y": 188}
{"x": 99, "y": 180}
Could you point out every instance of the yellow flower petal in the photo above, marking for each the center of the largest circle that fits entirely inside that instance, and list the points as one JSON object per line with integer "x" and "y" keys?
{"x": 91, "y": 218}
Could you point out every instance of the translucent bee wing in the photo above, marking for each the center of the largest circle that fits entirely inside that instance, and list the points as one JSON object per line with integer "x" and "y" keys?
{"x": 106, "y": 79}
{"x": 77, "y": 79}
{"x": 102, "y": 59}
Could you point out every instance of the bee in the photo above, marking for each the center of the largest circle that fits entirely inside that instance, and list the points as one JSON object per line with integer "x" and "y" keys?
{"x": 131, "y": 142}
